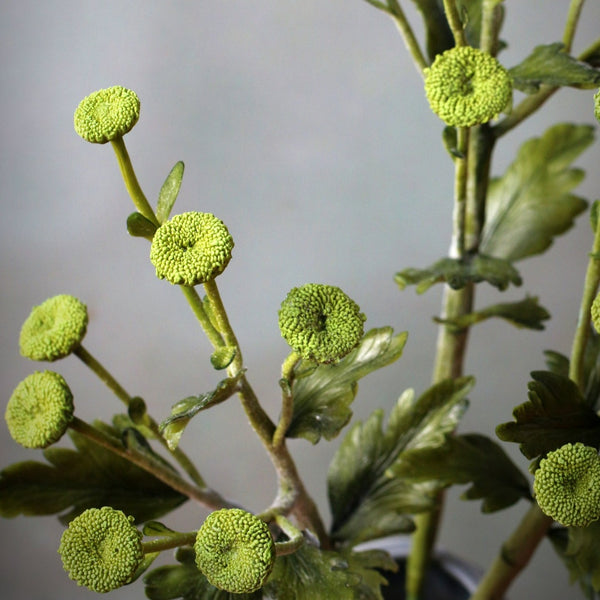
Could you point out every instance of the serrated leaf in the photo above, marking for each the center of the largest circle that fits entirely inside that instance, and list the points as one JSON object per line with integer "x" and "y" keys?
{"x": 458, "y": 272}
{"x": 185, "y": 410}
{"x": 139, "y": 226}
{"x": 88, "y": 477}
{"x": 168, "y": 192}
{"x": 366, "y": 503}
{"x": 579, "y": 547}
{"x": 187, "y": 582}
{"x": 468, "y": 459}
{"x": 550, "y": 65}
{"x": 531, "y": 204}
{"x": 555, "y": 414}
{"x": 315, "y": 574}
{"x": 323, "y": 395}
{"x": 526, "y": 313}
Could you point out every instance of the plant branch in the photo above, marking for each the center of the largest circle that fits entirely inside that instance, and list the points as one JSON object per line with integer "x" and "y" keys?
{"x": 195, "y": 302}
{"x": 410, "y": 41}
{"x": 571, "y": 23}
{"x": 169, "y": 542}
{"x": 455, "y": 23}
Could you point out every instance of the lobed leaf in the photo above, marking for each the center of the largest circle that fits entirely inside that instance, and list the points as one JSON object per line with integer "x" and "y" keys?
{"x": 88, "y": 477}
{"x": 366, "y": 502}
{"x": 550, "y": 65}
{"x": 531, "y": 204}
{"x": 323, "y": 395}
{"x": 468, "y": 459}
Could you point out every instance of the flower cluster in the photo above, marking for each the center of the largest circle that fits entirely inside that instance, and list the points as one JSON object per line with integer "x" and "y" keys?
{"x": 466, "y": 86}
{"x": 567, "y": 485}
{"x": 191, "y": 248}
{"x": 235, "y": 551}
{"x": 101, "y": 549}
{"x": 320, "y": 322}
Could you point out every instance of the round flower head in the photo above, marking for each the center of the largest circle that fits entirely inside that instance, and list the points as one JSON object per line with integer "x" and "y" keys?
{"x": 567, "y": 485}
{"x": 54, "y": 328}
{"x": 107, "y": 114}
{"x": 320, "y": 322}
{"x": 101, "y": 549}
{"x": 596, "y": 313}
{"x": 597, "y": 105}
{"x": 466, "y": 86}
{"x": 39, "y": 410}
{"x": 235, "y": 551}
{"x": 191, "y": 248}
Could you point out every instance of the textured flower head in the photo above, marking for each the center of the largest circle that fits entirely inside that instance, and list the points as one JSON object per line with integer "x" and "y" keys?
{"x": 191, "y": 248}
{"x": 466, "y": 86}
{"x": 101, "y": 549}
{"x": 39, "y": 410}
{"x": 567, "y": 485}
{"x": 54, "y": 328}
{"x": 107, "y": 114}
{"x": 235, "y": 550}
{"x": 320, "y": 322}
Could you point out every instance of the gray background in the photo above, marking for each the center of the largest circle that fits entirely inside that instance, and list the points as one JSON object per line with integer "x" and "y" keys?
{"x": 303, "y": 126}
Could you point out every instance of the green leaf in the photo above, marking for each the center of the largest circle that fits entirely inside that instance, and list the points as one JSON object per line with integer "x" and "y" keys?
{"x": 222, "y": 357}
{"x": 555, "y": 414}
{"x": 185, "y": 410}
{"x": 550, "y": 65}
{"x": 187, "y": 582}
{"x": 579, "y": 547}
{"x": 366, "y": 503}
{"x": 139, "y": 226}
{"x": 457, "y": 273}
{"x": 468, "y": 459}
{"x": 88, "y": 477}
{"x": 531, "y": 203}
{"x": 526, "y": 313}
{"x": 323, "y": 395}
{"x": 168, "y": 193}
{"x": 315, "y": 574}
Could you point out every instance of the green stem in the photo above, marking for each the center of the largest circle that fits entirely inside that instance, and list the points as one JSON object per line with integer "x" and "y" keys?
{"x": 571, "y": 23}
{"x": 491, "y": 20}
{"x": 287, "y": 400}
{"x": 410, "y": 41}
{"x": 195, "y": 302}
{"x": 169, "y": 542}
{"x": 457, "y": 247}
{"x": 296, "y": 538}
{"x": 204, "y": 496}
{"x": 131, "y": 182}
{"x": 455, "y": 22}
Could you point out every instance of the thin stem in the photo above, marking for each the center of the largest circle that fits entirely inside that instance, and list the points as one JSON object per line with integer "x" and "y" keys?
{"x": 197, "y": 307}
{"x": 457, "y": 247}
{"x": 131, "y": 182}
{"x": 410, "y": 41}
{"x": 169, "y": 542}
{"x": 205, "y": 496}
{"x": 491, "y": 19}
{"x": 571, "y": 23}
{"x": 592, "y": 49}
{"x": 287, "y": 399}
{"x": 455, "y": 22}
{"x": 296, "y": 538}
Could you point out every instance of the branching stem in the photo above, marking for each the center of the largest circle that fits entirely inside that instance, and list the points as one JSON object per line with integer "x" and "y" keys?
{"x": 410, "y": 41}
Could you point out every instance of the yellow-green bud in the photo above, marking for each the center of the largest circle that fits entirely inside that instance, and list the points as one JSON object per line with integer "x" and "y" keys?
{"x": 466, "y": 86}
{"x": 191, "y": 248}
{"x": 235, "y": 551}
{"x": 320, "y": 322}
{"x": 54, "y": 328}
{"x": 39, "y": 410}
{"x": 107, "y": 114}
{"x": 567, "y": 485}
{"x": 101, "y": 549}
{"x": 597, "y": 105}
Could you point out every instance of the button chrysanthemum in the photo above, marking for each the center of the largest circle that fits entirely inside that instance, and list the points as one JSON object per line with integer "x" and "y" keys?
{"x": 101, "y": 549}
{"x": 39, "y": 410}
{"x": 235, "y": 551}
{"x": 567, "y": 485}
{"x": 466, "y": 86}
{"x": 54, "y": 328}
{"x": 191, "y": 248}
{"x": 320, "y": 322}
{"x": 107, "y": 114}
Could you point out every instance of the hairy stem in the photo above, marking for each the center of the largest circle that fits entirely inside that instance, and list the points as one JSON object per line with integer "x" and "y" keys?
{"x": 287, "y": 400}
{"x": 455, "y": 22}
{"x": 410, "y": 41}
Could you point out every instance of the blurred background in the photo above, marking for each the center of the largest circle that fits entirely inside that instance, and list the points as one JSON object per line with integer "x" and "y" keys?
{"x": 303, "y": 126}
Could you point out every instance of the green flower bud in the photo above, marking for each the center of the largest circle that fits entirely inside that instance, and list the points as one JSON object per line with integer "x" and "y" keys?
{"x": 39, "y": 410}
{"x": 54, "y": 328}
{"x": 567, "y": 485}
{"x": 107, "y": 114}
{"x": 466, "y": 86}
{"x": 235, "y": 551}
{"x": 320, "y": 322}
{"x": 597, "y": 105}
{"x": 191, "y": 248}
{"x": 101, "y": 549}
{"x": 596, "y": 313}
